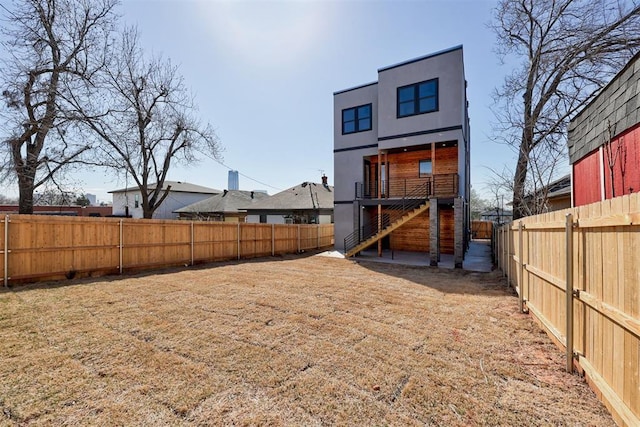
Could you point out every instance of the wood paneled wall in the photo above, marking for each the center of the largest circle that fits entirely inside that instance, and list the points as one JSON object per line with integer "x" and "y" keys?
{"x": 446, "y": 160}
{"x": 413, "y": 236}
{"x": 447, "y": 231}
{"x": 405, "y": 165}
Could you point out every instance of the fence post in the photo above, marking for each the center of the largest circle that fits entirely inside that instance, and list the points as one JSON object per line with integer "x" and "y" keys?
{"x": 569, "y": 291}
{"x": 120, "y": 246}
{"x": 238, "y": 240}
{"x": 497, "y": 243}
{"x": 507, "y": 248}
{"x": 299, "y": 247}
{"x": 273, "y": 239}
{"x": 318, "y": 235}
{"x": 521, "y": 259}
{"x": 192, "y": 243}
{"x": 6, "y": 251}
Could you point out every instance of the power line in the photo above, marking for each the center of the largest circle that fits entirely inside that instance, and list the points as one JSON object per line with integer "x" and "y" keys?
{"x": 246, "y": 176}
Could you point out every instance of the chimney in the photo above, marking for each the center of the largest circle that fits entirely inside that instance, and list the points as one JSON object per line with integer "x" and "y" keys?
{"x": 324, "y": 180}
{"x": 225, "y": 193}
{"x": 252, "y": 194}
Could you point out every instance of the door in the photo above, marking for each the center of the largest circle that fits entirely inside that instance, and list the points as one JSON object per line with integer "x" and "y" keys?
{"x": 446, "y": 230}
{"x": 367, "y": 186}
{"x": 380, "y": 172}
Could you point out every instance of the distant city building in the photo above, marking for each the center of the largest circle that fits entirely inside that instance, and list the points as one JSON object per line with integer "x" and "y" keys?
{"x": 91, "y": 198}
{"x": 234, "y": 182}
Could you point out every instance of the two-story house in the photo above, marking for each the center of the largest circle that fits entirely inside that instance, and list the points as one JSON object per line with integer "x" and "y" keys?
{"x": 401, "y": 159}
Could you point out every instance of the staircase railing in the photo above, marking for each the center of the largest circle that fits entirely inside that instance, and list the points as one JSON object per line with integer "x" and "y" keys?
{"x": 412, "y": 199}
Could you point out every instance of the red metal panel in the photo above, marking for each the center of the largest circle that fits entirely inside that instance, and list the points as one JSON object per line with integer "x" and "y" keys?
{"x": 625, "y": 150}
{"x": 586, "y": 179}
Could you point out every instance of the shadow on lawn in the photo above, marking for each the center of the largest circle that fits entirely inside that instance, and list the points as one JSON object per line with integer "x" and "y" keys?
{"x": 140, "y": 273}
{"x": 450, "y": 281}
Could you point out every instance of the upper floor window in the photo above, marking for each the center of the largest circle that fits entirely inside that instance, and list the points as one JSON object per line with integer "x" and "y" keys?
{"x": 425, "y": 168}
{"x": 418, "y": 98}
{"x": 356, "y": 119}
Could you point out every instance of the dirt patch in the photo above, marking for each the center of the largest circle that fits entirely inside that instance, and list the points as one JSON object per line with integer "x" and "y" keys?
{"x": 288, "y": 341}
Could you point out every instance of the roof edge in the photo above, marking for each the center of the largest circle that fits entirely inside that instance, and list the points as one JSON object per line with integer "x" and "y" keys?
{"x": 600, "y": 91}
{"x": 421, "y": 58}
{"x": 354, "y": 88}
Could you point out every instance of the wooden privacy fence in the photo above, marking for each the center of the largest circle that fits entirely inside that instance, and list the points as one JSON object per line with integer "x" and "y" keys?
{"x": 54, "y": 247}
{"x": 481, "y": 229}
{"x": 578, "y": 272}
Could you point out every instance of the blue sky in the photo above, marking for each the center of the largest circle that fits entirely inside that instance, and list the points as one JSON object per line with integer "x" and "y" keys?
{"x": 264, "y": 74}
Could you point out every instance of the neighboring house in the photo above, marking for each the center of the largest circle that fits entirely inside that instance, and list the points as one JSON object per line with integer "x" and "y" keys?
{"x": 552, "y": 197}
{"x": 128, "y": 201}
{"x": 401, "y": 159}
{"x": 498, "y": 215}
{"x": 604, "y": 140}
{"x": 307, "y": 203}
{"x": 230, "y": 206}
{"x": 559, "y": 194}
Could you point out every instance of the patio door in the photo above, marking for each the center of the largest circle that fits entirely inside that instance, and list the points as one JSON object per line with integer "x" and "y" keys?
{"x": 380, "y": 179}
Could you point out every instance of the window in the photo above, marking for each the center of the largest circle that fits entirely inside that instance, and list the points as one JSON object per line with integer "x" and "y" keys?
{"x": 418, "y": 98}
{"x": 137, "y": 201}
{"x": 425, "y": 168}
{"x": 356, "y": 119}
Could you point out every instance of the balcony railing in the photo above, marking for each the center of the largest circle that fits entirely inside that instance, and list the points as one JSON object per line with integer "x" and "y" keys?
{"x": 440, "y": 185}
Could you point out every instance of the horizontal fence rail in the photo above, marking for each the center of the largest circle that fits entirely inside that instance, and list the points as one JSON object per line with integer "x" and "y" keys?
{"x": 578, "y": 272}
{"x": 39, "y": 248}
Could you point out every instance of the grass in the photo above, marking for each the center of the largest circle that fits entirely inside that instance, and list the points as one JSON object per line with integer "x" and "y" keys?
{"x": 291, "y": 341}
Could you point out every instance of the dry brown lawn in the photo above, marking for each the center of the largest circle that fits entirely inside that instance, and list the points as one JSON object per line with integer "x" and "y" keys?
{"x": 284, "y": 341}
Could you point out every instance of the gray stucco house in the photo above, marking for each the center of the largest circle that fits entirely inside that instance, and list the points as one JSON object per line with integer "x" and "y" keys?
{"x": 401, "y": 159}
{"x": 128, "y": 201}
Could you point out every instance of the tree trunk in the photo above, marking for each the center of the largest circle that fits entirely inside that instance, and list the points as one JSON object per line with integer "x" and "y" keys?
{"x": 519, "y": 179}
{"x": 25, "y": 186}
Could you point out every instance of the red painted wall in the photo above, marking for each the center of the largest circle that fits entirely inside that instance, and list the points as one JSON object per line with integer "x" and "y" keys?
{"x": 586, "y": 179}
{"x": 586, "y": 171}
{"x": 628, "y": 160}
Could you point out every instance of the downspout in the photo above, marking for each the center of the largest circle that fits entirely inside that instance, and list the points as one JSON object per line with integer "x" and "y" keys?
{"x": 379, "y": 200}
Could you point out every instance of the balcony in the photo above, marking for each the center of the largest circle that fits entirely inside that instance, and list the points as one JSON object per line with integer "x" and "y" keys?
{"x": 439, "y": 185}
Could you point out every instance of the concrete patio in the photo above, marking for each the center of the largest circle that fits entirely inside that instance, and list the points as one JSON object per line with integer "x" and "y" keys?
{"x": 477, "y": 258}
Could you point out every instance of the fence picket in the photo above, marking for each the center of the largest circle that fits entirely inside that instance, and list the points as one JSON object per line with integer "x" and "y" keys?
{"x": 40, "y": 247}
{"x": 582, "y": 284}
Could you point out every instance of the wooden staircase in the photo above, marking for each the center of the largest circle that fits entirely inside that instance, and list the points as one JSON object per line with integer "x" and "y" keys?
{"x": 408, "y": 216}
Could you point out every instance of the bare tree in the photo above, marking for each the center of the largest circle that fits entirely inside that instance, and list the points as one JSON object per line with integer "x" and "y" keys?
{"x": 570, "y": 49}
{"x": 611, "y": 154}
{"x": 146, "y": 121}
{"x": 478, "y": 204}
{"x": 543, "y": 165}
{"x": 52, "y": 47}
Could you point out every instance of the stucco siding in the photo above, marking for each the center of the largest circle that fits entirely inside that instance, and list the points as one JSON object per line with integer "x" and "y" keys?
{"x": 447, "y": 68}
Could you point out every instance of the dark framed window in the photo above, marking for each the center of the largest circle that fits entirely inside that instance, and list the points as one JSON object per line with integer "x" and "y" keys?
{"x": 356, "y": 119}
{"x": 418, "y": 98}
{"x": 425, "y": 168}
